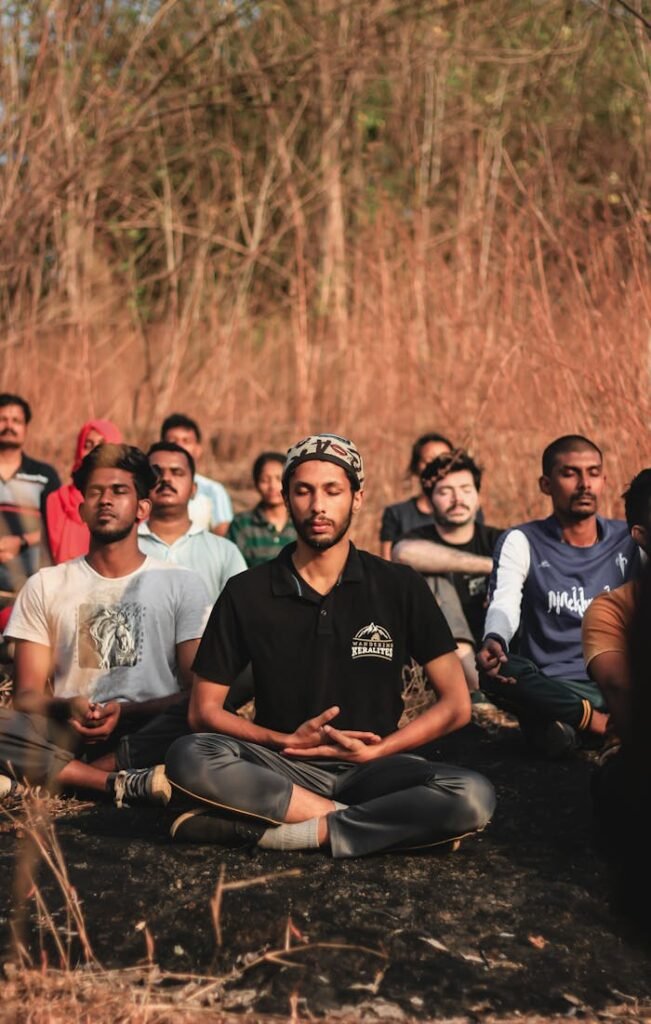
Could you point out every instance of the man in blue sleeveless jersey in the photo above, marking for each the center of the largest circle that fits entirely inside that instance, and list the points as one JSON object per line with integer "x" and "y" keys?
{"x": 546, "y": 574}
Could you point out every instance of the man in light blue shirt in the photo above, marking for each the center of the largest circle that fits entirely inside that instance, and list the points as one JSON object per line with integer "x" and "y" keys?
{"x": 169, "y": 534}
{"x": 210, "y": 505}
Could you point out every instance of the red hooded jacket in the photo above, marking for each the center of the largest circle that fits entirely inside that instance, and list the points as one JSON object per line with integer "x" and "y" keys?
{"x": 67, "y": 534}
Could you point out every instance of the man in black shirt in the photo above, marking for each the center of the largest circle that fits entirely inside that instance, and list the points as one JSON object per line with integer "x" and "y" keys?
{"x": 24, "y": 486}
{"x": 455, "y": 548}
{"x": 327, "y": 630}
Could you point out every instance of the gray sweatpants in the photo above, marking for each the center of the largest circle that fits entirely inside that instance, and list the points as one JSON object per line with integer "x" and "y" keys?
{"x": 395, "y": 803}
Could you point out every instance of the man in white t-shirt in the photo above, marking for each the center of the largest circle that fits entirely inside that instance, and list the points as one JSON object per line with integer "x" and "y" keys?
{"x": 211, "y": 506}
{"x": 169, "y": 534}
{"x": 104, "y": 645}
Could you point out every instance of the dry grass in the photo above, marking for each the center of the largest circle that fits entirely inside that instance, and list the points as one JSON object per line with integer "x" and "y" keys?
{"x": 557, "y": 340}
{"x": 64, "y": 982}
{"x": 142, "y": 995}
{"x": 137, "y": 996}
{"x": 79, "y": 989}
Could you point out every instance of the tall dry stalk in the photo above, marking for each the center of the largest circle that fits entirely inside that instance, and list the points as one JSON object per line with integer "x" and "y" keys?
{"x": 39, "y": 848}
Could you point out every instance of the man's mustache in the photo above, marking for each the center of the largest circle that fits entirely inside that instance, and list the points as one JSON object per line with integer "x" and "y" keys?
{"x": 8, "y": 432}
{"x": 165, "y": 487}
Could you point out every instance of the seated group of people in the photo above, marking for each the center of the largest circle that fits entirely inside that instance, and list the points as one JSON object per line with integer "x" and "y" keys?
{"x": 126, "y": 656}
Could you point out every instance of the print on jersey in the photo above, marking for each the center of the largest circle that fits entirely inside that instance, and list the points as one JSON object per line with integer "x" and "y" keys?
{"x": 574, "y": 601}
{"x": 110, "y": 636}
{"x": 373, "y": 642}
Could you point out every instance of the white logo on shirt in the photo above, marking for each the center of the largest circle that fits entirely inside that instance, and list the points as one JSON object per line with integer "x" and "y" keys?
{"x": 574, "y": 601}
{"x": 372, "y": 642}
{"x": 545, "y": 564}
{"x": 621, "y": 562}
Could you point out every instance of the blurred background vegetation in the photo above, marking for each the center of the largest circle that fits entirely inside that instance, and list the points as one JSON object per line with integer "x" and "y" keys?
{"x": 372, "y": 216}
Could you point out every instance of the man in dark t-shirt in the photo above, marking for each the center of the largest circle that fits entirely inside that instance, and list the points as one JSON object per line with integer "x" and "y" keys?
{"x": 471, "y": 587}
{"x": 455, "y": 551}
{"x": 24, "y": 486}
{"x": 327, "y": 630}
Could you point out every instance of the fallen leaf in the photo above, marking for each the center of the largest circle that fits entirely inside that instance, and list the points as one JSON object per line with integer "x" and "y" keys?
{"x": 573, "y": 1000}
{"x": 538, "y": 941}
{"x": 472, "y": 958}
{"x": 435, "y": 943}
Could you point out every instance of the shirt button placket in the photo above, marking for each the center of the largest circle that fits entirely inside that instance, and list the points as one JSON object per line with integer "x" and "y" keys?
{"x": 325, "y": 617}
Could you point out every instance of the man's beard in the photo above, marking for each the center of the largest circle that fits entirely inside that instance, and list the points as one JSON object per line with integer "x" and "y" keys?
{"x": 9, "y": 440}
{"x": 317, "y": 543}
{"x": 580, "y": 512}
{"x": 442, "y": 518}
{"x": 104, "y": 537}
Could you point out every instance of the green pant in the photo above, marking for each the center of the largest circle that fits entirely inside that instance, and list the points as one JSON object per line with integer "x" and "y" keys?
{"x": 536, "y": 699}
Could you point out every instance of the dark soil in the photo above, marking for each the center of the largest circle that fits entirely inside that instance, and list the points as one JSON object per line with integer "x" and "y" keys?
{"x": 521, "y": 919}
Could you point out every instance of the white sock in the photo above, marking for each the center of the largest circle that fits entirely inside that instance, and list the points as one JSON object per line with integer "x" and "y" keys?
{"x": 302, "y": 835}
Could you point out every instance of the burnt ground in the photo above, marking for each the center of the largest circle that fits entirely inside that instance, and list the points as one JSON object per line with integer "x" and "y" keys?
{"x": 521, "y": 919}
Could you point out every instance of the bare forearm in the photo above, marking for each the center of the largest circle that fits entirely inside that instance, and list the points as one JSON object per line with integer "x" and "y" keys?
{"x": 618, "y": 699}
{"x": 41, "y": 702}
{"x": 611, "y": 672}
{"x": 34, "y": 703}
{"x": 427, "y": 557}
{"x": 437, "y": 721}
{"x": 132, "y": 710}
{"x": 216, "y": 719}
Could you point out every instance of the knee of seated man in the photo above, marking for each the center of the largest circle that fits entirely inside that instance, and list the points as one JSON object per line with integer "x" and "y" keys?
{"x": 474, "y": 798}
{"x": 33, "y": 747}
{"x": 191, "y": 756}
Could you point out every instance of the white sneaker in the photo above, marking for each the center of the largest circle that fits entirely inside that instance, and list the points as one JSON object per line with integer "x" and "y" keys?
{"x": 9, "y": 787}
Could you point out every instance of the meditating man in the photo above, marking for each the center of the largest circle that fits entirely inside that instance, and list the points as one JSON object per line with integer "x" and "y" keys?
{"x": 116, "y": 632}
{"x": 546, "y": 574}
{"x": 327, "y": 629}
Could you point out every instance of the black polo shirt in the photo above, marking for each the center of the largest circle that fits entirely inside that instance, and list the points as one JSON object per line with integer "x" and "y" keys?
{"x": 310, "y": 651}
{"x": 472, "y": 588}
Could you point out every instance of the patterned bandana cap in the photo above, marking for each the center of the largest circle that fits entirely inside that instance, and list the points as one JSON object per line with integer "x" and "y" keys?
{"x": 327, "y": 448}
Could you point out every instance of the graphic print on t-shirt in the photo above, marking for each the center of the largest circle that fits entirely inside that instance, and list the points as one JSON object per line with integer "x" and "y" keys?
{"x": 110, "y": 636}
{"x": 372, "y": 641}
